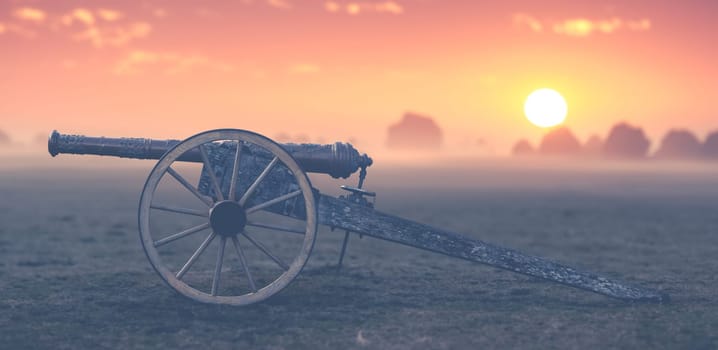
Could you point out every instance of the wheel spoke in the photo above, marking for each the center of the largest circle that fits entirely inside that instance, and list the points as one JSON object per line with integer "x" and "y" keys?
{"x": 238, "y": 248}
{"x": 274, "y": 201}
{"x": 276, "y": 228}
{"x": 259, "y": 179}
{"x": 188, "y": 186}
{"x": 196, "y": 255}
{"x": 178, "y": 235}
{"x": 266, "y": 252}
{"x": 180, "y": 210}
{"x": 218, "y": 266}
{"x": 235, "y": 171}
{"x": 210, "y": 170}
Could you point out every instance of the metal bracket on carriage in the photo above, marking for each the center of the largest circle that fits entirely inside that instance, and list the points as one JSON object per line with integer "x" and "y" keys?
{"x": 357, "y": 195}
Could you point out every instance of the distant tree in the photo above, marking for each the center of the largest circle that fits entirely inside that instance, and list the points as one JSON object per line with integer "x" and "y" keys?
{"x": 560, "y": 141}
{"x": 710, "y": 147}
{"x": 4, "y": 138}
{"x": 282, "y": 137}
{"x": 593, "y": 146}
{"x": 679, "y": 144}
{"x": 414, "y": 131}
{"x": 626, "y": 141}
{"x": 522, "y": 148}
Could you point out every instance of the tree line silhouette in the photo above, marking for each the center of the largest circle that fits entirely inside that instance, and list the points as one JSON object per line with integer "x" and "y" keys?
{"x": 623, "y": 141}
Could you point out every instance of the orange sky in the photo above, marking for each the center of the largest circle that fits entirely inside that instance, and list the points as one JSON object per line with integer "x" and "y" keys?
{"x": 335, "y": 70}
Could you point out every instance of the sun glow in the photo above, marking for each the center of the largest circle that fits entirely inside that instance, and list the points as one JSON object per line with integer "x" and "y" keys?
{"x": 545, "y": 108}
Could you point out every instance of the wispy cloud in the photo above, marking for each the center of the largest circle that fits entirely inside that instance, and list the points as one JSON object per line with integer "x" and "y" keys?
{"x": 580, "y": 27}
{"x": 159, "y": 12}
{"x": 80, "y": 15}
{"x": 113, "y": 36}
{"x": 17, "y": 29}
{"x": 528, "y": 21}
{"x": 109, "y": 15}
{"x": 100, "y": 27}
{"x": 170, "y": 63}
{"x": 357, "y": 8}
{"x": 280, "y": 4}
{"x": 207, "y": 13}
{"x": 30, "y": 14}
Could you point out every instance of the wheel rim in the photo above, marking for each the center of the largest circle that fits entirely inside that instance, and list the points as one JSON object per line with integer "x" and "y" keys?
{"x": 225, "y": 220}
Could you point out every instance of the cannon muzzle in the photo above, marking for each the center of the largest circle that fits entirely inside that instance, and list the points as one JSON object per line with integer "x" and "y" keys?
{"x": 337, "y": 159}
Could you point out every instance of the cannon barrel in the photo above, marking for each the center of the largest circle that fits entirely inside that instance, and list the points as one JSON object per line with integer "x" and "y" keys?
{"x": 337, "y": 159}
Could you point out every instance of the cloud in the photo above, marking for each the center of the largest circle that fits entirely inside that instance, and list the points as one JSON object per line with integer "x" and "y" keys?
{"x": 356, "y": 8}
{"x": 109, "y": 15}
{"x": 641, "y": 25}
{"x": 279, "y": 4}
{"x": 525, "y": 20}
{"x": 80, "y": 15}
{"x": 580, "y": 27}
{"x": 113, "y": 36}
{"x": 30, "y": 14}
{"x": 170, "y": 63}
{"x": 207, "y": 13}
{"x": 17, "y": 30}
{"x": 159, "y": 12}
{"x": 101, "y": 27}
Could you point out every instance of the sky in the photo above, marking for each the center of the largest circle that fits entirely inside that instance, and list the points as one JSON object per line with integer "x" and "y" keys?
{"x": 327, "y": 71}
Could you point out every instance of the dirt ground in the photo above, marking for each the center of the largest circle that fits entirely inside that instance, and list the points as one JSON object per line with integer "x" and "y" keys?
{"x": 73, "y": 274}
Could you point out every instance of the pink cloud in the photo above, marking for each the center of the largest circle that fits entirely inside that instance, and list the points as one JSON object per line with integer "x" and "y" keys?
{"x": 280, "y": 4}
{"x": 525, "y": 20}
{"x": 170, "y": 63}
{"x": 113, "y": 36}
{"x": 580, "y": 27}
{"x": 109, "y": 15}
{"x": 356, "y": 8}
{"x": 30, "y": 14}
{"x": 81, "y": 15}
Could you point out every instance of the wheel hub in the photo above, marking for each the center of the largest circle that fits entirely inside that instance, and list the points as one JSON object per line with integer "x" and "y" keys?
{"x": 227, "y": 218}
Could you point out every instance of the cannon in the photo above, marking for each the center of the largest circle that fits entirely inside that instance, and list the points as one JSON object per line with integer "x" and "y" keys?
{"x": 246, "y": 190}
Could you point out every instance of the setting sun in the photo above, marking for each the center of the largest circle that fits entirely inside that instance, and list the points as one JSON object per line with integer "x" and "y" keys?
{"x": 545, "y": 108}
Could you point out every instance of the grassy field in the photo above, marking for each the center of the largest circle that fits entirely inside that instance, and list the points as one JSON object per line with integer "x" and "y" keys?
{"x": 73, "y": 274}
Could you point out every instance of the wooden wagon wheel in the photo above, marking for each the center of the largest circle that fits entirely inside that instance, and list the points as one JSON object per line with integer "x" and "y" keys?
{"x": 226, "y": 218}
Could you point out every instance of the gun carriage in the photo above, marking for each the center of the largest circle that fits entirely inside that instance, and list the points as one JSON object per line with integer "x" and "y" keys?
{"x": 249, "y": 186}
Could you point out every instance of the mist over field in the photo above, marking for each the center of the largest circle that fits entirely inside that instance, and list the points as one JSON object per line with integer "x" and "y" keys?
{"x": 445, "y": 171}
{"x": 72, "y": 268}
